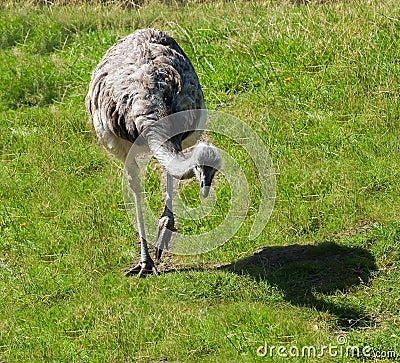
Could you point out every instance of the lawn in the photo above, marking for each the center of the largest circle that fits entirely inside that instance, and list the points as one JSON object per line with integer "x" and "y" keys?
{"x": 317, "y": 81}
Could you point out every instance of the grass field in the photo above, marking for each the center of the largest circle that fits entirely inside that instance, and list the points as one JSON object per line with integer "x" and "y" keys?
{"x": 319, "y": 82}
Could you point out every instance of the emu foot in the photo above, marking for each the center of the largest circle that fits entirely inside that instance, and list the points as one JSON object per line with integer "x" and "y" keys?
{"x": 142, "y": 269}
{"x": 166, "y": 226}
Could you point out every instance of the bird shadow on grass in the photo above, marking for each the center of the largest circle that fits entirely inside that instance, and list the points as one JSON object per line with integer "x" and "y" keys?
{"x": 308, "y": 274}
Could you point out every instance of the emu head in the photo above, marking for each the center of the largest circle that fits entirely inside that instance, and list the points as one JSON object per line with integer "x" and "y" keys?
{"x": 207, "y": 160}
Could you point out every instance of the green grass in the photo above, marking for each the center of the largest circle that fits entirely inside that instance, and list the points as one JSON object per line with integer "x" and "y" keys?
{"x": 318, "y": 82}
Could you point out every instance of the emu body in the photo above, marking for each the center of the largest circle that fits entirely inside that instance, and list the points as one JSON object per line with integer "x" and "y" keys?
{"x": 141, "y": 80}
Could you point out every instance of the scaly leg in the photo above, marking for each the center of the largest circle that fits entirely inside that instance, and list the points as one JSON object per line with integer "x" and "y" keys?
{"x": 146, "y": 264}
{"x": 166, "y": 222}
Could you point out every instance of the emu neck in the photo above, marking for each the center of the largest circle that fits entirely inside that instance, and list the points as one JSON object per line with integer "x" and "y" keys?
{"x": 175, "y": 162}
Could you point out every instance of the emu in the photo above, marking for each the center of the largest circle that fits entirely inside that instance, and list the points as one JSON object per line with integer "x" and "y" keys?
{"x": 141, "y": 80}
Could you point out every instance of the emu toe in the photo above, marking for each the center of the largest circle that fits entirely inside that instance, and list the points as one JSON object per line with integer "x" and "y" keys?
{"x": 142, "y": 269}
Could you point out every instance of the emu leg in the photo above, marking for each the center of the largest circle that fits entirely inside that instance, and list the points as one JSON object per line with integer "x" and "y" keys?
{"x": 146, "y": 264}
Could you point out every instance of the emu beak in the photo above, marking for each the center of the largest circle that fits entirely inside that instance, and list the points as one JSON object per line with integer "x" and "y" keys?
{"x": 205, "y": 184}
{"x": 205, "y": 191}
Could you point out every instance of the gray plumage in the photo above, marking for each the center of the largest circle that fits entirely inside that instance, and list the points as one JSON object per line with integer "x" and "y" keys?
{"x": 141, "y": 80}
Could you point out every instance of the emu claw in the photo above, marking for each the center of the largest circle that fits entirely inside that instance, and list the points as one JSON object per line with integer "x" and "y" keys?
{"x": 142, "y": 269}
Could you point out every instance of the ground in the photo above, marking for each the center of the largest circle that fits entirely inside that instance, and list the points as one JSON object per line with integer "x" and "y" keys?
{"x": 317, "y": 81}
